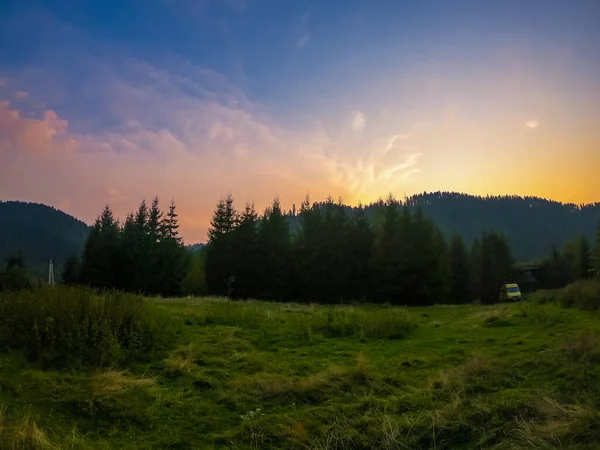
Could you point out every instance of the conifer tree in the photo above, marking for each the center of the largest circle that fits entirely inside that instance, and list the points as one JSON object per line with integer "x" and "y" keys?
{"x": 360, "y": 238}
{"x": 584, "y": 266}
{"x": 172, "y": 258}
{"x": 554, "y": 271}
{"x": 475, "y": 281}
{"x": 389, "y": 254}
{"x": 220, "y": 258}
{"x": 71, "y": 271}
{"x": 493, "y": 266}
{"x": 102, "y": 253}
{"x": 138, "y": 248}
{"x": 130, "y": 262}
{"x": 171, "y": 223}
{"x": 307, "y": 276}
{"x": 155, "y": 222}
{"x": 275, "y": 254}
{"x": 459, "y": 263}
{"x": 244, "y": 248}
{"x": 14, "y": 277}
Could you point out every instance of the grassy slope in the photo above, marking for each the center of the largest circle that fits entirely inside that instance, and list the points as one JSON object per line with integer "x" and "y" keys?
{"x": 257, "y": 375}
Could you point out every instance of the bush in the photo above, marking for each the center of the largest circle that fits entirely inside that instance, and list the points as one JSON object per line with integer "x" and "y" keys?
{"x": 583, "y": 294}
{"x": 76, "y": 326}
{"x": 544, "y": 296}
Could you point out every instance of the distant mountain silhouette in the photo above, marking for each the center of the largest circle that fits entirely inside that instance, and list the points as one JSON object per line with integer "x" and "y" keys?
{"x": 39, "y": 233}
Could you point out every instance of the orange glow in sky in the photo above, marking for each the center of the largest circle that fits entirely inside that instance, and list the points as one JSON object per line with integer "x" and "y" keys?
{"x": 493, "y": 102}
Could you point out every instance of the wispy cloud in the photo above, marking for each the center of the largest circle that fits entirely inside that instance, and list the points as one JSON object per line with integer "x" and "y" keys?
{"x": 303, "y": 40}
{"x": 21, "y": 95}
{"x": 393, "y": 139}
{"x": 359, "y": 122}
{"x": 304, "y": 18}
{"x": 116, "y": 195}
{"x": 532, "y": 124}
{"x": 187, "y": 133}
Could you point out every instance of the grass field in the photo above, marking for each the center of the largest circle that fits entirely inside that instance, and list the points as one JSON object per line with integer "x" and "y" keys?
{"x": 263, "y": 375}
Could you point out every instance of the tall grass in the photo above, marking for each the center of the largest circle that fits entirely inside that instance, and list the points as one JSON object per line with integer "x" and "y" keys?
{"x": 75, "y": 326}
{"x": 306, "y": 321}
{"x": 583, "y": 294}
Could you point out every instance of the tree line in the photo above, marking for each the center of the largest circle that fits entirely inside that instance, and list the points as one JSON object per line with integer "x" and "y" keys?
{"x": 337, "y": 254}
{"x": 322, "y": 252}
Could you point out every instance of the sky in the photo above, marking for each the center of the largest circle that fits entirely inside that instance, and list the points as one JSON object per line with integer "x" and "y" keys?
{"x": 115, "y": 101}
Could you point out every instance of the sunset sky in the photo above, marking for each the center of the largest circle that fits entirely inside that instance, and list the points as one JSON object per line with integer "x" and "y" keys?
{"x": 114, "y": 101}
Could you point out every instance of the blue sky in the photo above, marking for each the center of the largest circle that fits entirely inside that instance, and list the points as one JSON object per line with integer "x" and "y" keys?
{"x": 114, "y": 101}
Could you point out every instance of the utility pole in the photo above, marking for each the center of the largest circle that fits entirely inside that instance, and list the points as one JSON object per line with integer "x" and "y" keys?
{"x": 51, "y": 274}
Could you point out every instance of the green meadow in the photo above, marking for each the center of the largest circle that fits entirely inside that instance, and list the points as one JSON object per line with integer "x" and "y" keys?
{"x": 209, "y": 373}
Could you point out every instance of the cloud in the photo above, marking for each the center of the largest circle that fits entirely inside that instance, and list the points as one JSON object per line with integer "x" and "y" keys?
{"x": 186, "y": 133}
{"x": 303, "y": 40}
{"x": 532, "y": 124}
{"x": 359, "y": 121}
{"x": 393, "y": 139}
{"x": 116, "y": 195}
{"x": 2, "y": 82}
{"x": 47, "y": 134}
{"x": 21, "y": 95}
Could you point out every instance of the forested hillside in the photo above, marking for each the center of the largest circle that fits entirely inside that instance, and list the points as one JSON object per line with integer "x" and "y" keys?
{"x": 38, "y": 233}
{"x": 531, "y": 224}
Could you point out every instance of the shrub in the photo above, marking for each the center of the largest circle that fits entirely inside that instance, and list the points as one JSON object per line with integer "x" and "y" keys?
{"x": 583, "y": 294}
{"x": 544, "y": 296}
{"x": 76, "y": 326}
{"x": 14, "y": 279}
{"x": 497, "y": 318}
{"x": 584, "y": 347}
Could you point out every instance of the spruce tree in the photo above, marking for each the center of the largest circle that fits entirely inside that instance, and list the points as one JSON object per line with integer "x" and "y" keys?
{"x": 308, "y": 279}
{"x": 171, "y": 223}
{"x": 129, "y": 265}
{"x": 171, "y": 256}
{"x": 584, "y": 266}
{"x": 332, "y": 254}
{"x": 554, "y": 271}
{"x": 275, "y": 254}
{"x": 14, "y": 277}
{"x": 494, "y": 266}
{"x": 360, "y": 238}
{"x": 390, "y": 250}
{"x": 244, "y": 248}
{"x": 428, "y": 265}
{"x": 459, "y": 263}
{"x": 71, "y": 271}
{"x": 220, "y": 258}
{"x": 138, "y": 249}
{"x": 102, "y": 253}
{"x": 475, "y": 281}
